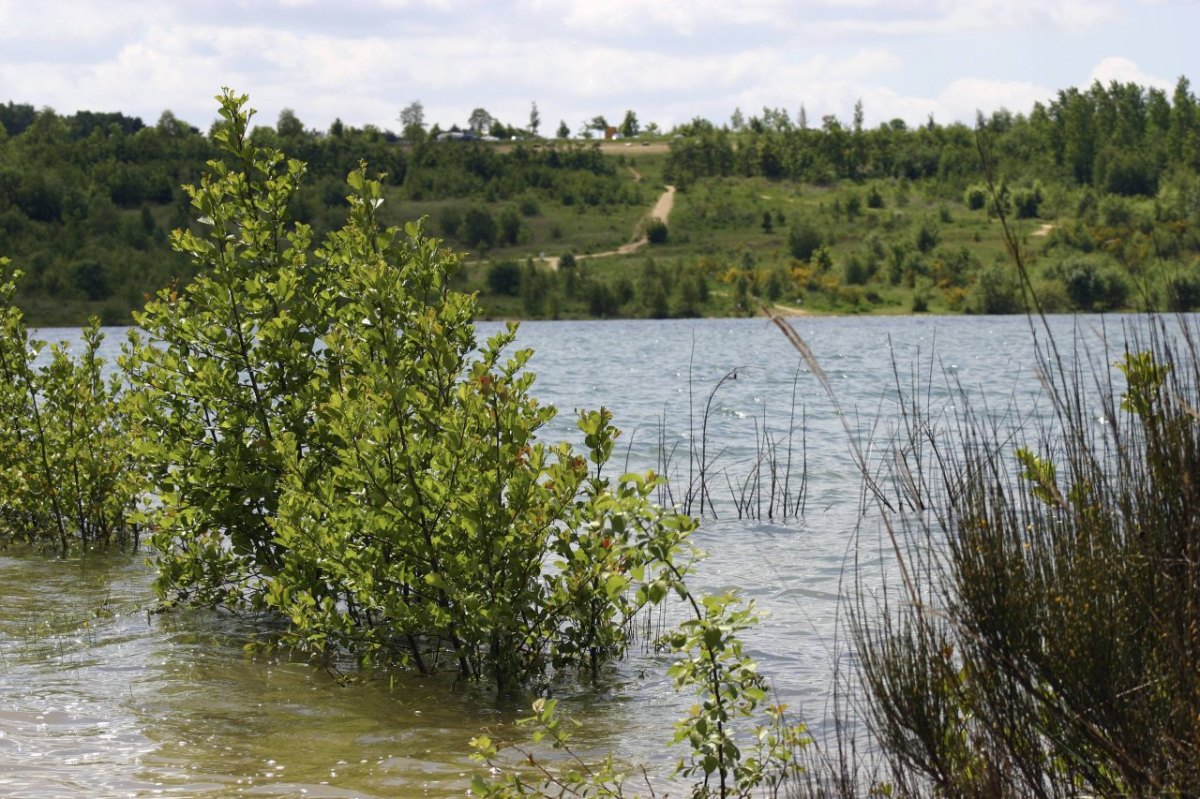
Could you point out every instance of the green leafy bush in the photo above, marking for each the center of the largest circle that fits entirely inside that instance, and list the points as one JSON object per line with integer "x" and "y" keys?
{"x": 656, "y": 231}
{"x": 479, "y": 228}
{"x": 331, "y": 443}
{"x": 504, "y": 277}
{"x": 928, "y": 235}
{"x": 68, "y": 472}
{"x": 1028, "y": 202}
{"x": 1092, "y": 288}
{"x": 803, "y": 240}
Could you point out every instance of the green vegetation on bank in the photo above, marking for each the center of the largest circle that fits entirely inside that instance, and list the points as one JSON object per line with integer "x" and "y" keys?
{"x": 838, "y": 218}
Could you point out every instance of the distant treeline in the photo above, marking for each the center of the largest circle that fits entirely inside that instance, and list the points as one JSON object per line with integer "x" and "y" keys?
{"x": 87, "y": 201}
{"x": 1121, "y": 138}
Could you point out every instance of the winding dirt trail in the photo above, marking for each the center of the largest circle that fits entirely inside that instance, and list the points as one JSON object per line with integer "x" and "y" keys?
{"x": 661, "y": 211}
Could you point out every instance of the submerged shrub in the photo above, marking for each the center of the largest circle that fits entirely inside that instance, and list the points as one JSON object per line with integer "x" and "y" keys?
{"x": 68, "y": 475}
{"x": 331, "y": 443}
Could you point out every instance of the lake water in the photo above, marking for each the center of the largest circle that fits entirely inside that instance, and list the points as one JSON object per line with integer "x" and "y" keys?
{"x": 100, "y": 698}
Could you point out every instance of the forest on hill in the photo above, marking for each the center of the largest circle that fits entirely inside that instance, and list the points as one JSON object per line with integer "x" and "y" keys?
{"x": 1102, "y": 186}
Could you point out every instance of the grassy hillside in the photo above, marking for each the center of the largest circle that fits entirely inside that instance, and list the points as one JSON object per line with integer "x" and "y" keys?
{"x": 893, "y": 246}
{"x": 1103, "y": 187}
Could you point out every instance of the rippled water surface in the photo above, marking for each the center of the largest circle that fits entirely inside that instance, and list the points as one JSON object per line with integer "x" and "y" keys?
{"x": 98, "y": 697}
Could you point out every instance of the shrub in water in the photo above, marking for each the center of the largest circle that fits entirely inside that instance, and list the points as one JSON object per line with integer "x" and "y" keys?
{"x": 67, "y": 472}
{"x": 330, "y": 442}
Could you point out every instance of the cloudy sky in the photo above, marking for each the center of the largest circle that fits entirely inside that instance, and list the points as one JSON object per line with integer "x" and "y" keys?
{"x": 668, "y": 60}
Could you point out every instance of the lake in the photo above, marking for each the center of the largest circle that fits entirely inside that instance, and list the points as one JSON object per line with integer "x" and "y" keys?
{"x": 99, "y": 697}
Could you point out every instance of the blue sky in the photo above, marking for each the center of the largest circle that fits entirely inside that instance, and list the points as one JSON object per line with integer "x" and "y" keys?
{"x": 667, "y": 60}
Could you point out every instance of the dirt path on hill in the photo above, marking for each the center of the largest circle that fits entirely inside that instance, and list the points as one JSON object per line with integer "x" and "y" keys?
{"x": 1044, "y": 230}
{"x": 661, "y": 210}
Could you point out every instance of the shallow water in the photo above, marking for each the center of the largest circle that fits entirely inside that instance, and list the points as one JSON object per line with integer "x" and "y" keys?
{"x": 99, "y": 697}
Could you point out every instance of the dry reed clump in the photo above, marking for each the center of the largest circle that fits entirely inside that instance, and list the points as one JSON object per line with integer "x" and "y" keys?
{"x": 770, "y": 483}
{"x": 1041, "y": 636}
{"x": 1044, "y": 637}
{"x": 1051, "y": 645}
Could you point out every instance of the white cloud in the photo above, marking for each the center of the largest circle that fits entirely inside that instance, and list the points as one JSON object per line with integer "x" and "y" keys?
{"x": 964, "y": 97}
{"x": 77, "y": 21}
{"x": 948, "y": 17}
{"x": 659, "y": 18}
{"x": 1123, "y": 70}
{"x": 362, "y": 60}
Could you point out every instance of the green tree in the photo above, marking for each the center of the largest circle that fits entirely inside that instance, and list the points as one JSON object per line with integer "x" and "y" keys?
{"x": 504, "y": 277}
{"x": 536, "y": 287}
{"x": 602, "y": 300}
{"x": 1027, "y": 202}
{"x": 656, "y": 231}
{"x": 803, "y": 240}
{"x": 1127, "y": 173}
{"x": 1091, "y": 288}
{"x": 450, "y": 220}
{"x": 412, "y": 121}
{"x": 479, "y": 227}
{"x": 997, "y": 290}
{"x": 535, "y": 119}
{"x": 288, "y": 125}
{"x": 928, "y": 235}
{"x": 629, "y": 125}
{"x": 737, "y": 121}
{"x": 1185, "y": 121}
{"x": 510, "y": 226}
{"x": 975, "y": 197}
{"x": 480, "y": 121}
